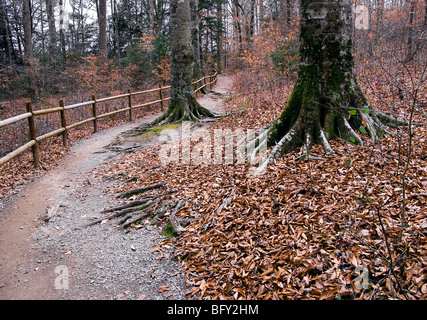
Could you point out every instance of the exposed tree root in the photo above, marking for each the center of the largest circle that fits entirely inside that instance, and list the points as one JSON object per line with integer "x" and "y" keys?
{"x": 176, "y": 225}
{"x": 326, "y": 101}
{"x": 307, "y": 130}
{"x": 132, "y": 192}
{"x": 187, "y": 109}
{"x": 204, "y": 90}
{"x": 154, "y": 207}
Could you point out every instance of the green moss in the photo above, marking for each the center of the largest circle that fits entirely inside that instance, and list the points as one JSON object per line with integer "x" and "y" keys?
{"x": 169, "y": 231}
{"x": 153, "y": 131}
{"x": 338, "y": 25}
{"x": 288, "y": 117}
{"x": 329, "y": 125}
{"x": 158, "y": 129}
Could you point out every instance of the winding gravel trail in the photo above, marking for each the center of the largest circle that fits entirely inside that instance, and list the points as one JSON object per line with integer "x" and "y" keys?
{"x": 54, "y": 258}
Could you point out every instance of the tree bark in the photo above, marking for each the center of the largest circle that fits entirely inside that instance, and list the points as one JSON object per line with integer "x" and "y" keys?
{"x": 326, "y": 100}
{"x": 183, "y": 106}
{"x": 197, "y": 66}
{"x": 27, "y": 22}
{"x": 237, "y": 26}
{"x": 102, "y": 22}
{"x": 52, "y": 30}
{"x": 219, "y": 36}
{"x": 412, "y": 44}
{"x": 61, "y": 29}
{"x": 6, "y": 35}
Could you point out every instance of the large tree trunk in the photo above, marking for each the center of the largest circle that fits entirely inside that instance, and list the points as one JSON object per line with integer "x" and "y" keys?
{"x": 326, "y": 100}
{"x": 183, "y": 106}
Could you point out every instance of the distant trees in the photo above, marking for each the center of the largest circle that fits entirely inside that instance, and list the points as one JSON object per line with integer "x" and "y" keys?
{"x": 59, "y": 33}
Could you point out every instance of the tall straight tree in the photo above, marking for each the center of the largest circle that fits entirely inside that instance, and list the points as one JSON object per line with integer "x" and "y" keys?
{"x": 28, "y": 29}
{"x": 183, "y": 106}
{"x": 61, "y": 29}
{"x": 194, "y": 8}
{"x": 102, "y": 23}
{"x": 219, "y": 35}
{"x": 52, "y": 30}
{"x": 195, "y": 41}
{"x": 326, "y": 100}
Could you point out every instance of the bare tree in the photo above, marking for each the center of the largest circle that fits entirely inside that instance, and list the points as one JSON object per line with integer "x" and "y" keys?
{"x": 52, "y": 30}
{"x": 219, "y": 35}
{"x": 28, "y": 32}
{"x": 102, "y": 23}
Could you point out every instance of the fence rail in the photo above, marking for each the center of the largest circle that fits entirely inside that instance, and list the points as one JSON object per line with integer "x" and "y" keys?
{"x": 204, "y": 82}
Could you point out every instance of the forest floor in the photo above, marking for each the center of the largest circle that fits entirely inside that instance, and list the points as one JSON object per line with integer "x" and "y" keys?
{"x": 43, "y": 238}
{"x": 304, "y": 229}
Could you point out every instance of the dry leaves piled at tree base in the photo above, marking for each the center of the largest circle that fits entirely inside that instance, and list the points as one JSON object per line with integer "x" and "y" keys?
{"x": 326, "y": 229}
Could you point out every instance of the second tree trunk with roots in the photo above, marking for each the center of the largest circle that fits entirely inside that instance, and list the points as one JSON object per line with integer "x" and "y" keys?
{"x": 183, "y": 106}
{"x": 326, "y": 100}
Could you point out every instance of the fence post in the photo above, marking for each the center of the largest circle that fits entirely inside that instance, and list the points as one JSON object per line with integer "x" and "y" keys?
{"x": 32, "y": 129}
{"x": 95, "y": 121}
{"x": 161, "y": 96}
{"x": 130, "y": 105}
{"x": 63, "y": 124}
{"x": 194, "y": 89}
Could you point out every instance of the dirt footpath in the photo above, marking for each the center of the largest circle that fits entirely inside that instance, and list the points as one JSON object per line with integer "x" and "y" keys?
{"x": 46, "y": 253}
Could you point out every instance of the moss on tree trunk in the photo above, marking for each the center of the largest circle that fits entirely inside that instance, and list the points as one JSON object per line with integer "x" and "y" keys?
{"x": 326, "y": 100}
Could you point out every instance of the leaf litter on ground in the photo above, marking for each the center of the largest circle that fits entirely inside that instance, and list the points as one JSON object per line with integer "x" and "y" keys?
{"x": 302, "y": 230}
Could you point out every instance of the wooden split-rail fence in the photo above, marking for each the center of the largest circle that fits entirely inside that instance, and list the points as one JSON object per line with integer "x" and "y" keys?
{"x": 207, "y": 81}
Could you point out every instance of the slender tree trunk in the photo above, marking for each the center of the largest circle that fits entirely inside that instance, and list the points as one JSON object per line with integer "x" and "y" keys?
{"x": 61, "y": 29}
{"x": 425, "y": 17}
{"x": 237, "y": 25}
{"x": 250, "y": 21}
{"x": 52, "y": 30}
{"x": 380, "y": 11}
{"x": 6, "y": 34}
{"x": 102, "y": 22}
{"x": 42, "y": 19}
{"x": 412, "y": 44}
{"x": 194, "y": 8}
{"x": 28, "y": 47}
{"x": 219, "y": 35}
{"x": 151, "y": 18}
{"x": 116, "y": 37}
{"x": 288, "y": 15}
{"x": 27, "y": 22}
